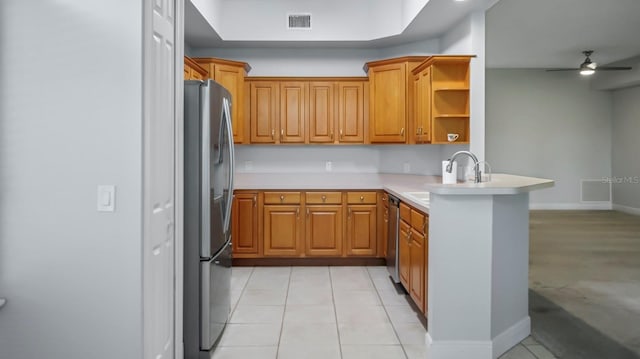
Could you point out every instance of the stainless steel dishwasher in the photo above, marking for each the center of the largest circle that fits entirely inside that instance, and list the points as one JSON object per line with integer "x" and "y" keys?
{"x": 392, "y": 243}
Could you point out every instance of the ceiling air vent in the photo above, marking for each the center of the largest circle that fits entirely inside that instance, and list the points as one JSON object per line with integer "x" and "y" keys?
{"x": 299, "y": 21}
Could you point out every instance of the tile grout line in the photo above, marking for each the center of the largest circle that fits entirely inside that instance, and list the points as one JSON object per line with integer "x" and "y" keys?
{"x": 244, "y": 287}
{"x": 335, "y": 310}
{"x": 384, "y": 307}
{"x": 284, "y": 311}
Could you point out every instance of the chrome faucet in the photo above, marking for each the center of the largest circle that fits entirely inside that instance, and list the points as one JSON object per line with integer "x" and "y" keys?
{"x": 476, "y": 164}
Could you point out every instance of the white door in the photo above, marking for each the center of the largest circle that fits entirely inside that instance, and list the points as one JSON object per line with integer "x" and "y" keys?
{"x": 159, "y": 173}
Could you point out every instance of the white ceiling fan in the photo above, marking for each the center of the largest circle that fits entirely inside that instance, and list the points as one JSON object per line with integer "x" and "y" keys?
{"x": 589, "y": 67}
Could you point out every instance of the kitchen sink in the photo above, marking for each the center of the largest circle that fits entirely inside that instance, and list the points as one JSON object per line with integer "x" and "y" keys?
{"x": 420, "y": 197}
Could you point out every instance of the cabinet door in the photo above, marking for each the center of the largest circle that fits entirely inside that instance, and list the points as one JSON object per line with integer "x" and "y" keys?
{"x": 388, "y": 113}
{"x": 351, "y": 109}
{"x": 232, "y": 78}
{"x": 422, "y": 105}
{"x": 404, "y": 255}
{"x": 263, "y": 111}
{"x": 324, "y": 230}
{"x": 244, "y": 227}
{"x": 417, "y": 268}
{"x": 321, "y": 112}
{"x": 293, "y": 111}
{"x": 282, "y": 230}
{"x": 361, "y": 230}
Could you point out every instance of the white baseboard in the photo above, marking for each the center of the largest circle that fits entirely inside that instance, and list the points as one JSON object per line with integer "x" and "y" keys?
{"x": 571, "y": 206}
{"x": 479, "y": 349}
{"x": 456, "y": 349}
{"x": 511, "y": 337}
{"x": 627, "y": 209}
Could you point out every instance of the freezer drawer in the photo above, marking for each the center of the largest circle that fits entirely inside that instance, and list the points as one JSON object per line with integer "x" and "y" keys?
{"x": 215, "y": 301}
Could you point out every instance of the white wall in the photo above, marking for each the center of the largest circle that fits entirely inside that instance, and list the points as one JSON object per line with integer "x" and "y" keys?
{"x": 315, "y": 61}
{"x": 421, "y": 159}
{"x": 296, "y": 62}
{"x": 550, "y": 125}
{"x": 626, "y": 147}
{"x": 71, "y": 115}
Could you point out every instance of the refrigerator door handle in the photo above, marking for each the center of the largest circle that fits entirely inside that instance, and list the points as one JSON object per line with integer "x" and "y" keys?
{"x": 227, "y": 112}
{"x": 206, "y": 195}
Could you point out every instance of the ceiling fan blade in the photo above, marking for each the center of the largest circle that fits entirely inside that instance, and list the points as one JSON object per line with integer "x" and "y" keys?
{"x": 612, "y": 68}
{"x": 563, "y": 69}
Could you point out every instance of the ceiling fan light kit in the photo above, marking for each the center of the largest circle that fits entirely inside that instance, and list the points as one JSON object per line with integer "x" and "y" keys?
{"x": 588, "y": 67}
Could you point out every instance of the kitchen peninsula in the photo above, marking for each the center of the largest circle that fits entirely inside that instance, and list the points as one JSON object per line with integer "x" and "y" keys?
{"x": 477, "y": 252}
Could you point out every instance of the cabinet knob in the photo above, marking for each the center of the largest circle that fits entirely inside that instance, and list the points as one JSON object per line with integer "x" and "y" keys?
{"x": 340, "y": 133}
{"x": 281, "y": 198}
{"x": 324, "y": 198}
{"x": 273, "y": 134}
{"x": 402, "y": 131}
{"x": 361, "y": 198}
{"x": 254, "y": 201}
{"x": 281, "y": 132}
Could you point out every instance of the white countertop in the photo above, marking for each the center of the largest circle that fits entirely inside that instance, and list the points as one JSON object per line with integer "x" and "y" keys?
{"x": 396, "y": 184}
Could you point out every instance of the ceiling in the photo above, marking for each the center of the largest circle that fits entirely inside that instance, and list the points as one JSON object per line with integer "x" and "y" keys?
{"x": 519, "y": 33}
{"x": 435, "y": 18}
{"x": 552, "y": 33}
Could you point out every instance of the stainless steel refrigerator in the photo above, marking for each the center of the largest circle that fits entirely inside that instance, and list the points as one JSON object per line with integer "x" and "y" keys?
{"x": 208, "y": 194}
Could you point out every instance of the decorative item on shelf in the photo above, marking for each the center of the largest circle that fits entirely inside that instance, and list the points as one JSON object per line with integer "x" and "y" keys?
{"x": 452, "y": 137}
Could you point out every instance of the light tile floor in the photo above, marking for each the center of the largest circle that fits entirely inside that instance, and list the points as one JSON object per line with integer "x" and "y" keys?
{"x": 326, "y": 313}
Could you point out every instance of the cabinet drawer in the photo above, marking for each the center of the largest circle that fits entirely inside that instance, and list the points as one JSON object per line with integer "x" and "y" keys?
{"x": 282, "y": 197}
{"x": 418, "y": 221}
{"x": 405, "y": 212}
{"x": 361, "y": 197}
{"x": 323, "y": 197}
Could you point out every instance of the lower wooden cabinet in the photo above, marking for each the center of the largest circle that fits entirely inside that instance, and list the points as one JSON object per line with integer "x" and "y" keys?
{"x": 282, "y": 230}
{"x": 404, "y": 253}
{"x": 271, "y": 224}
{"x": 361, "y": 230}
{"x": 417, "y": 271}
{"x": 244, "y": 226}
{"x": 413, "y": 254}
{"x": 324, "y": 230}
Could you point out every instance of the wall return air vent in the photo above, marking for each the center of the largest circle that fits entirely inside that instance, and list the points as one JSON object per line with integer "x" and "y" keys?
{"x": 299, "y": 21}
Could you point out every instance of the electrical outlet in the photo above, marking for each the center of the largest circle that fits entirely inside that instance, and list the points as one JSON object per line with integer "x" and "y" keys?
{"x": 406, "y": 167}
{"x": 328, "y": 166}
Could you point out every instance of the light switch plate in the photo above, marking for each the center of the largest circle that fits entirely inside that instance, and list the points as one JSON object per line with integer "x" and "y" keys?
{"x": 328, "y": 166}
{"x": 106, "y": 198}
{"x": 406, "y": 167}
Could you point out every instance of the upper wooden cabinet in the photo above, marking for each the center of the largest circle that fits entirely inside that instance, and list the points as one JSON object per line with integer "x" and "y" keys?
{"x": 307, "y": 110}
{"x": 321, "y": 125}
{"x": 420, "y": 123}
{"x": 230, "y": 74}
{"x": 444, "y": 86}
{"x": 353, "y": 111}
{"x": 391, "y": 98}
{"x": 193, "y": 71}
{"x": 264, "y": 111}
{"x": 293, "y": 111}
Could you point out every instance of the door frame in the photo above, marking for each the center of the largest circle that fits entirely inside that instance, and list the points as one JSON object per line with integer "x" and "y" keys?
{"x": 178, "y": 172}
{"x": 179, "y": 180}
